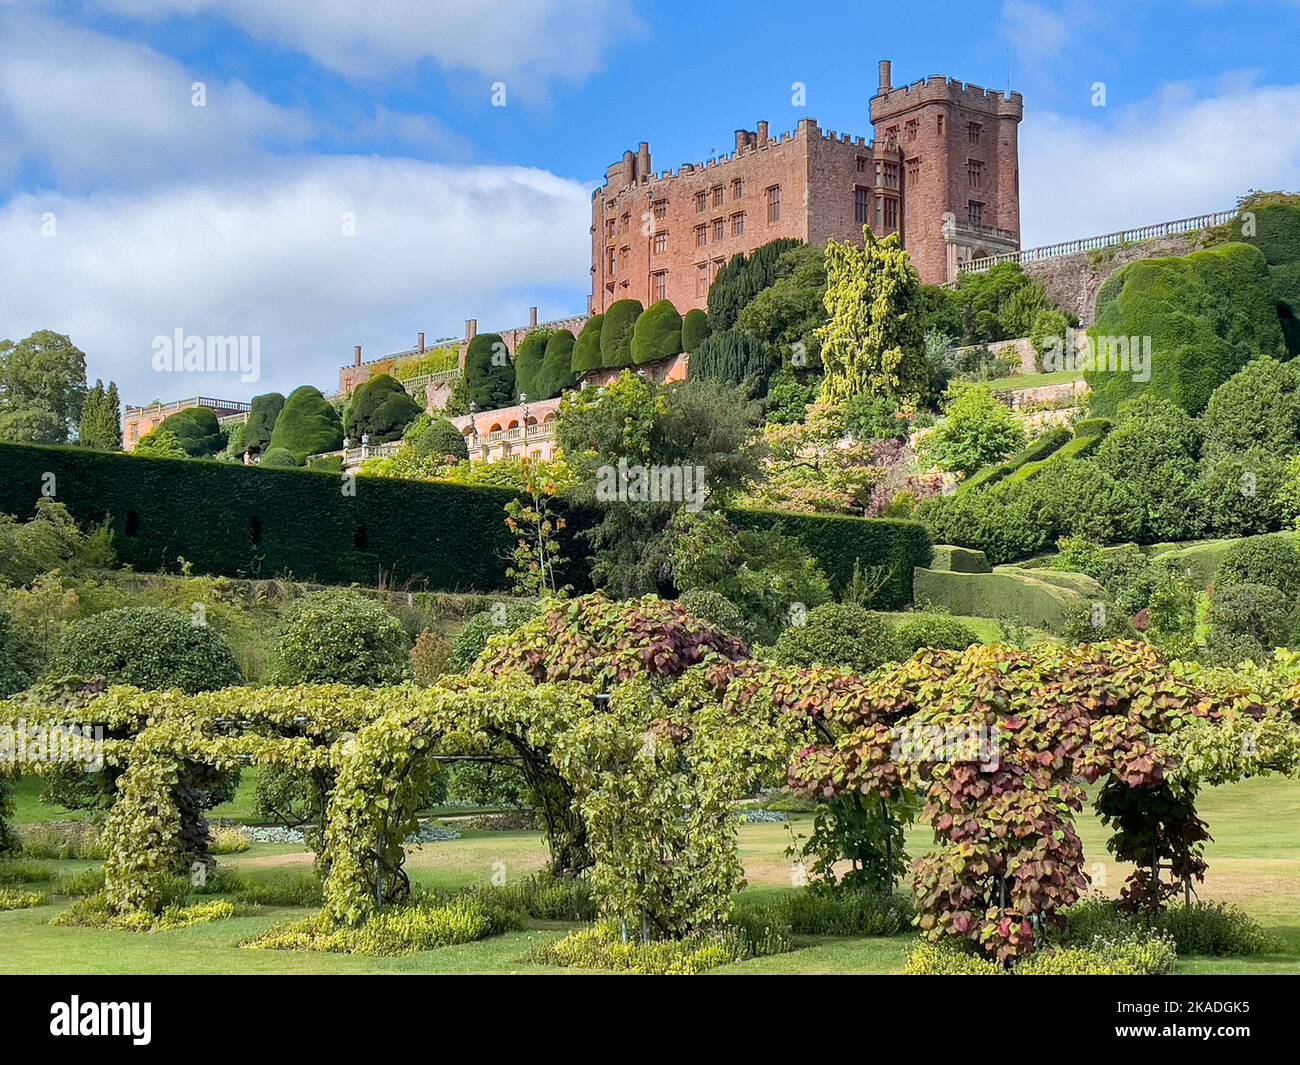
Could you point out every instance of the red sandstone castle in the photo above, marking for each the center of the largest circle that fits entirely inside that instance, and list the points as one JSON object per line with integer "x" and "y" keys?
{"x": 943, "y": 170}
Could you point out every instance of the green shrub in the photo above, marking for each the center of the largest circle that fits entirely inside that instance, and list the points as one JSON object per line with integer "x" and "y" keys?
{"x": 430, "y": 657}
{"x": 380, "y": 409}
{"x": 1241, "y": 493}
{"x": 24, "y": 872}
{"x": 62, "y": 840}
{"x": 308, "y": 425}
{"x": 1270, "y": 560}
{"x": 543, "y": 897}
{"x": 933, "y": 631}
{"x": 718, "y": 611}
{"x": 1219, "y": 929}
{"x": 279, "y": 458}
{"x": 1208, "y": 314}
{"x": 936, "y": 959}
{"x": 616, "y": 333}
{"x": 959, "y": 559}
{"x": 1049, "y": 325}
{"x": 473, "y": 637}
{"x": 438, "y": 437}
{"x": 1134, "y": 955}
{"x": 489, "y": 373}
{"x": 695, "y": 329}
{"x": 528, "y": 363}
{"x": 341, "y": 637}
{"x": 197, "y": 430}
{"x": 1258, "y": 406}
{"x": 1020, "y": 594}
{"x": 586, "y": 349}
{"x": 1259, "y": 611}
{"x": 79, "y": 885}
{"x": 735, "y": 358}
{"x": 657, "y": 334}
{"x": 978, "y": 429}
{"x": 871, "y": 416}
{"x": 602, "y": 947}
{"x": 1050, "y": 442}
{"x": 263, "y": 413}
{"x": 149, "y": 648}
{"x": 842, "y": 911}
{"x": 13, "y": 899}
{"x": 13, "y": 677}
{"x": 744, "y": 277}
{"x": 835, "y": 635}
{"x": 294, "y": 889}
{"x": 556, "y": 373}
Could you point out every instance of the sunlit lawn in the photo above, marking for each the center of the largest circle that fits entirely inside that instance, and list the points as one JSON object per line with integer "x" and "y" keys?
{"x": 1254, "y": 861}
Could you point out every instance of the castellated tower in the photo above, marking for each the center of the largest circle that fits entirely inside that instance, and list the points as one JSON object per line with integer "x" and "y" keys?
{"x": 940, "y": 147}
{"x": 960, "y": 149}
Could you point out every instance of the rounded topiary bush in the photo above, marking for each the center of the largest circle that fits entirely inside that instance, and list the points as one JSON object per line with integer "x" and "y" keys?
{"x": 149, "y": 648}
{"x": 941, "y": 633}
{"x": 836, "y": 635}
{"x": 657, "y": 334}
{"x": 197, "y": 431}
{"x": 695, "y": 329}
{"x": 438, "y": 437}
{"x": 556, "y": 373}
{"x": 308, "y": 425}
{"x": 1259, "y": 611}
{"x": 528, "y": 363}
{"x": 341, "y": 637}
{"x": 381, "y": 409}
{"x": 586, "y": 349}
{"x": 279, "y": 458}
{"x": 1270, "y": 560}
{"x": 616, "y": 333}
{"x": 473, "y": 637}
{"x": 718, "y": 611}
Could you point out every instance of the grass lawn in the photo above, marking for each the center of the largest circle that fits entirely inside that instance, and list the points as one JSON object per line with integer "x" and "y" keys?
{"x": 1254, "y": 862}
{"x": 1033, "y": 380}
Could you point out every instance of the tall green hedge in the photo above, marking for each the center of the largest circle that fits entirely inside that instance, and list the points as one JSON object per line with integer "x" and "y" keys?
{"x": 528, "y": 363}
{"x": 380, "y": 409}
{"x": 695, "y": 329}
{"x": 489, "y": 373}
{"x": 308, "y": 425}
{"x": 265, "y": 411}
{"x": 226, "y": 518}
{"x": 1207, "y": 314}
{"x": 197, "y": 430}
{"x": 657, "y": 334}
{"x": 586, "y": 352}
{"x": 616, "y": 334}
{"x": 556, "y": 373}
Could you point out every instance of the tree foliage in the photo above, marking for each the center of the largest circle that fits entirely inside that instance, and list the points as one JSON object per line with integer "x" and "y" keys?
{"x": 101, "y": 419}
{"x": 308, "y": 425}
{"x": 42, "y": 388}
{"x": 380, "y": 409}
{"x": 489, "y": 373}
{"x": 262, "y": 416}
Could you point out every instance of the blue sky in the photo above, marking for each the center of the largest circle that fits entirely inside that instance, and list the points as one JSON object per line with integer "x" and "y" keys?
{"x": 127, "y": 212}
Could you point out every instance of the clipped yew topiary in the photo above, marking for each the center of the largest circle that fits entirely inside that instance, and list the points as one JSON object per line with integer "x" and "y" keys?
{"x": 616, "y": 334}
{"x": 586, "y": 350}
{"x": 657, "y": 334}
{"x": 262, "y": 416}
{"x": 438, "y": 437}
{"x": 308, "y": 425}
{"x": 341, "y": 637}
{"x": 197, "y": 430}
{"x": 148, "y": 648}
{"x": 836, "y": 635}
{"x": 279, "y": 458}
{"x": 695, "y": 329}
{"x": 556, "y": 373}
{"x": 489, "y": 373}
{"x": 380, "y": 409}
{"x": 528, "y": 363}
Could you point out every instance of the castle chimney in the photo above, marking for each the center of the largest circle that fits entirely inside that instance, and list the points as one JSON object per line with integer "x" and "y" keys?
{"x": 886, "y": 75}
{"x": 471, "y": 328}
{"x": 532, "y": 317}
{"x": 420, "y": 344}
{"x": 643, "y": 171}
{"x": 762, "y": 133}
{"x": 629, "y": 167}
{"x": 356, "y": 355}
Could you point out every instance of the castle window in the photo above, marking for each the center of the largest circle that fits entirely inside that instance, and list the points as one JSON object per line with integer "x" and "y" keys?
{"x": 861, "y": 162}
{"x": 701, "y": 202}
{"x": 719, "y": 229}
{"x": 891, "y": 175}
{"x": 974, "y": 131}
{"x": 737, "y": 188}
{"x": 701, "y": 279}
{"x": 625, "y": 221}
{"x": 939, "y": 124}
{"x": 891, "y": 213}
{"x": 861, "y": 205}
{"x": 623, "y": 254}
{"x": 913, "y": 170}
{"x": 609, "y": 261}
{"x": 891, "y": 137}
{"x": 701, "y": 236}
{"x": 661, "y": 242}
{"x": 715, "y": 268}
{"x": 659, "y": 285}
{"x": 774, "y": 203}
{"x": 975, "y": 173}
{"x": 738, "y": 224}
{"x": 660, "y": 209}
{"x": 913, "y": 128}
{"x": 975, "y": 213}
{"x": 609, "y": 227}
{"x": 717, "y": 195}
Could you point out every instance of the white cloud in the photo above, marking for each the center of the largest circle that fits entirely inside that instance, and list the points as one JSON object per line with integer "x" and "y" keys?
{"x": 1159, "y": 160}
{"x": 266, "y": 257}
{"x": 86, "y": 108}
{"x": 531, "y": 40}
{"x": 1036, "y": 33}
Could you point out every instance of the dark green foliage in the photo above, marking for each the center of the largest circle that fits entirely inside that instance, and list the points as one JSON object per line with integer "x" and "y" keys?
{"x": 500, "y": 618}
{"x": 841, "y": 911}
{"x": 148, "y": 648}
{"x": 835, "y": 635}
{"x": 931, "y": 630}
{"x": 586, "y": 350}
{"x": 1208, "y": 314}
{"x": 556, "y": 373}
{"x": 718, "y": 611}
{"x": 838, "y": 542}
{"x": 438, "y": 436}
{"x": 262, "y": 417}
{"x": 788, "y": 397}
{"x": 1217, "y": 929}
{"x": 991, "y": 305}
{"x": 873, "y": 416}
{"x": 381, "y": 409}
{"x": 1259, "y": 405}
{"x": 197, "y": 430}
{"x": 307, "y": 425}
{"x": 657, "y": 334}
{"x": 1254, "y": 612}
{"x": 616, "y": 333}
{"x": 12, "y": 677}
{"x": 736, "y": 358}
{"x": 695, "y": 328}
{"x": 1271, "y": 560}
{"x": 528, "y": 363}
{"x": 743, "y": 278}
{"x": 1239, "y": 492}
{"x": 101, "y": 419}
{"x": 1275, "y": 230}
{"x": 489, "y": 373}
{"x": 279, "y": 458}
{"x": 787, "y": 313}
{"x": 1051, "y": 441}
{"x": 341, "y": 637}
